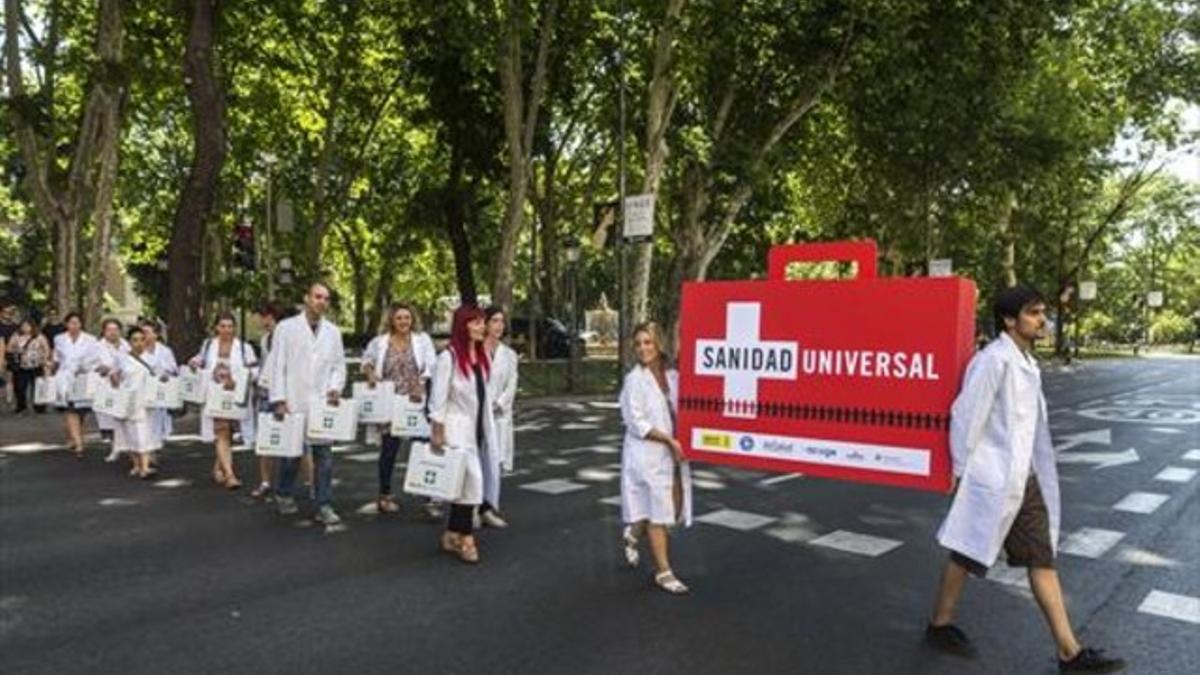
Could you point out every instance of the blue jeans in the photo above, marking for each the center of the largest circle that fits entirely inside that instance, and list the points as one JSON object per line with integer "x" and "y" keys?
{"x": 322, "y": 467}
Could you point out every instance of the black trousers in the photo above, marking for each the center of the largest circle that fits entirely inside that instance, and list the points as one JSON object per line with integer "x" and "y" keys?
{"x": 461, "y": 517}
{"x": 23, "y": 380}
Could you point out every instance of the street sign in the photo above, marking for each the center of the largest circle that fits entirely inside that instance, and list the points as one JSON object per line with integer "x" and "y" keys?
{"x": 829, "y": 378}
{"x": 941, "y": 267}
{"x": 639, "y": 216}
{"x": 1087, "y": 290}
{"x": 1154, "y": 298}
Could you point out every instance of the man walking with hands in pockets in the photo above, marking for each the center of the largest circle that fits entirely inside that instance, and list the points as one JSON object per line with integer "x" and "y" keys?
{"x": 308, "y": 363}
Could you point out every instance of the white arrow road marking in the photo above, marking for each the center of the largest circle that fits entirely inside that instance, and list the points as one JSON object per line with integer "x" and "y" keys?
{"x": 1102, "y": 460}
{"x": 1099, "y": 436}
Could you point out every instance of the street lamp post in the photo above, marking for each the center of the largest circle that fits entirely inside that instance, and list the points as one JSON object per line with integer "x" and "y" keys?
{"x": 573, "y": 252}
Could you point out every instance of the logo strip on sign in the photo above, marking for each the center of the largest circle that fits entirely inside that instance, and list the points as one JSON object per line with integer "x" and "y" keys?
{"x": 864, "y": 456}
{"x": 819, "y": 413}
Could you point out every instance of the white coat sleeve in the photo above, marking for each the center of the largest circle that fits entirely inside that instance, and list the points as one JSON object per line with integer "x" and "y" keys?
{"x": 443, "y": 370}
{"x": 370, "y": 355}
{"x": 169, "y": 364}
{"x": 429, "y": 356}
{"x": 509, "y": 393}
{"x": 969, "y": 414}
{"x": 633, "y": 408}
{"x": 337, "y": 378}
{"x": 278, "y": 358}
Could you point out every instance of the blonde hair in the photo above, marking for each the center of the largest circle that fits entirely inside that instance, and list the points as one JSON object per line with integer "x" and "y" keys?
{"x": 652, "y": 329}
{"x": 391, "y": 317}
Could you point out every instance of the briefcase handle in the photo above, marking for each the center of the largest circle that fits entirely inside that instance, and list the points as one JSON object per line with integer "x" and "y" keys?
{"x": 864, "y": 252}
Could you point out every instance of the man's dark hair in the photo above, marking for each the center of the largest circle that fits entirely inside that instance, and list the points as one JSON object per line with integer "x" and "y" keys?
{"x": 1010, "y": 301}
{"x": 272, "y": 309}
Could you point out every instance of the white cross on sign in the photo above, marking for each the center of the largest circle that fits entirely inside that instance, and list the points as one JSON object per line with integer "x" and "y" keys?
{"x": 742, "y": 359}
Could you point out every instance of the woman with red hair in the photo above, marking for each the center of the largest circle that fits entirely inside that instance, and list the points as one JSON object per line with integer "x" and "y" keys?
{"x": 461, "y": 414}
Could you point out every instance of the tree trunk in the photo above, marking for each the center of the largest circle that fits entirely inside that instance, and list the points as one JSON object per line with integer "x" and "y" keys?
{"x": 103, "y": 218}
{"x": 519, "y": 133}
{"x": 329, "y": 139}
{"x": 454, "y": 213}
{"x": 185, "y": 251}
{"x": 1008, "y": 240}
{"x": 62, "y": 209}
{"x": 659, "y": 107}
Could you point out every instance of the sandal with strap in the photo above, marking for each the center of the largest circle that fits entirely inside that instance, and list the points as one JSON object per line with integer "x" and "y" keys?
{"x": 387, "y": 505}
{"x": 261, "y": 491}
{"x": 468, "y": 552}
{"x": 450, "y": 542}
{"x": 632, "y": 557}
{"x": 669, "y": 583}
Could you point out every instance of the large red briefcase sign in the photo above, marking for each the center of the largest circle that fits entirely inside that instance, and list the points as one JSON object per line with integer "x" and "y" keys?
{"x": 840, "y": 379}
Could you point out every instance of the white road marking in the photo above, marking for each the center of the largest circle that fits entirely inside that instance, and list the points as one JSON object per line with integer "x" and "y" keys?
{"x": 1172, "y": 606}
{"x": 1140, "y": 556}
{"x": 793, "y": 528}
{"x": 597, "y": 475}
{"x": 737, "y": 520}
{"x": 782, "y": 478}
{"x": 117, "y": 501}
{"x": 1141, "y": 502}
{"x": 172, "y": 483}
{"x": 614, "y": 500}
{"x": 1167, "y": 430}
{"x": 554, "y": 486}
{"x": 1090, "y": 542}
{"x": 1017, "y": 577}
{"x": 853, "y": 542}
{"x": 1176, "y": 474}
{"x": 1192, "y": 455}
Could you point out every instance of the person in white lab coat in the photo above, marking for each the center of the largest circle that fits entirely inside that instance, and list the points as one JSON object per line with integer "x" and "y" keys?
{"x": 113, "y": 348}
{"x": 135, "y": 434}
{"x": 269, "y": 316}
{"x": 163, "y": 365}
{"x": 402, "y": 358}
{"x": 460, "y": 413}
{"x": 656, "y": 481}
{"x": 75, "y": 353}
{"x": 225, "y": 359}
{"x": 308, "y": 364}
{"x": 1006, "y": 483}
{"x": 502, "y": 385}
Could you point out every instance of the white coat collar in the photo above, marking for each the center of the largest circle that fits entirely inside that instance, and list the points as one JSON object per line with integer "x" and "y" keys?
{"x": 1017, "y": 356}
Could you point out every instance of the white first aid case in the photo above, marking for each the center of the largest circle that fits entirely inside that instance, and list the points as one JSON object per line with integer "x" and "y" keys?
{"x": 116, "y": 402}
{"x": 280, "y": 438}
{"x": 333, "y": 422}
{"x": 374, "y": 404}
{"x": 438, "y": 476}
{"x": 408, "y": 419}
{"x": 86, "y": 386}
{"x": 191, "y": 386}
{"x": 163, "y": 395}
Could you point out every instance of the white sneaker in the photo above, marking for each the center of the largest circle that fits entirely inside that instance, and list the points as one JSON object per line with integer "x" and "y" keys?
{"x": 112, "y": 457}
{"x": 632, "y": 557}
{"x": 327, "y": 516}
{"x": 493, "y": 519}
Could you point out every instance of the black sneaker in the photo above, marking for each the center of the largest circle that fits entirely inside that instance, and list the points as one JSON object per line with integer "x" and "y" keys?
{"x": 1090, "y": 660}
{"x": 950, "y": 639}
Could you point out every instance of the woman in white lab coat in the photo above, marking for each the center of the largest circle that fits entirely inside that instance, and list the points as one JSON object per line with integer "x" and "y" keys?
{"x": 135, "y": 434}
{"x": 502, "y": 387}
{"x": 402, "y": 358}
{"x": 113, "y": 347}
{"x": 75, "y": 353}
{"x": 656, "y": 483}
{"x": 225, "y": 359}
{"x": 461, "y": 415}
{"x": 163, "y": 365}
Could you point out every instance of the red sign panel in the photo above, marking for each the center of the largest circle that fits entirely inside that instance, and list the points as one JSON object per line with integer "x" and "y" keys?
{"x": 840, "y": 379}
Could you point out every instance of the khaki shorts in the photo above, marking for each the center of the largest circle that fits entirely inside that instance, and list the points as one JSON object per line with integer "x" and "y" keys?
{"x": 1027, "y": 543}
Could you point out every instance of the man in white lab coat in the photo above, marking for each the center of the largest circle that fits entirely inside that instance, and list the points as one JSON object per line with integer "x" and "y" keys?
{"x": 308, "y": 363}
{"x": 1006, "y": 483}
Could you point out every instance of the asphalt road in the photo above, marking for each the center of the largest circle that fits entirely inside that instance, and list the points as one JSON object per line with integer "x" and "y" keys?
{"x": 100, "y": 573}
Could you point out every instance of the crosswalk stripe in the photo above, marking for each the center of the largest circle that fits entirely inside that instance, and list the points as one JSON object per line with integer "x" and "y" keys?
{"x": 1176, "y": 474}
{"x": 1090, "y": 542}
{"x": 1141, "y": 502}
{"x": 1172, "y": 606}
{"x": 853, "y": 542}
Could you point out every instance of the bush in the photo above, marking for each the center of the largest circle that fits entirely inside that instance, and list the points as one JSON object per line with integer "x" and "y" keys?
{"x": 1096, "y": 325}
{"x": 1169, "y": 327}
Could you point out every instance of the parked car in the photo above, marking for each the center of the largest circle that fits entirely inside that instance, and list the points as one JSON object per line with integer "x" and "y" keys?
{"x": 554, "y": 338}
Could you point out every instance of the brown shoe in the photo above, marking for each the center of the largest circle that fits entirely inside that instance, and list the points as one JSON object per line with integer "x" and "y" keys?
{"x": 386, "y": 504}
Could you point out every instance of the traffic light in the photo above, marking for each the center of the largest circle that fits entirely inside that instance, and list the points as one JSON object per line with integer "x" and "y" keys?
{"x": 243, "y": 246}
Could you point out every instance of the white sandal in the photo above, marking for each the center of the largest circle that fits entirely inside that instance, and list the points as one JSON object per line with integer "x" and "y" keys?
{"x": 631, "y": 551}
{"x": 669, "y": 583}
